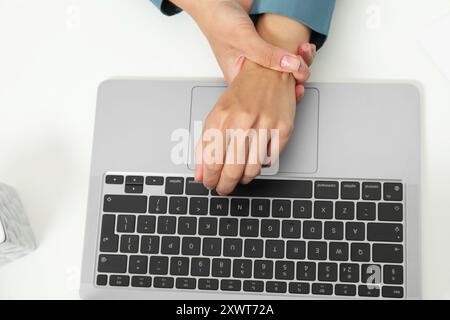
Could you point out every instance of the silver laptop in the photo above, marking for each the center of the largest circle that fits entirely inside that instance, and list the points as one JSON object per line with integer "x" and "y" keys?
{"x": 340, "y": 219}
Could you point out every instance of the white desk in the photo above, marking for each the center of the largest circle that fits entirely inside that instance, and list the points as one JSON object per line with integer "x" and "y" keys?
{"x": 54, "y": 53}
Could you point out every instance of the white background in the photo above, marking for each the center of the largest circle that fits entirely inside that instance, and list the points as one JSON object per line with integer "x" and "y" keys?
{"x": 54, "y": 53}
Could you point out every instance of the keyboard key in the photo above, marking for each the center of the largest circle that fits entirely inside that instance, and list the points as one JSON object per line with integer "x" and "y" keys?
{"x": 391, "y": 253}
{"x": 133, "y": 188}
{"x": 365, "y": 211}
{"x": 109, "y": 241}
{"x": 163, "y": 282}
{"x": 134, "y": 180}
{"x": 242, "y": 268}
{"x": 322, "y": 288}
{"x": 260, "y": 208}
{"x": 187, "y": 225}
{"x": 208, "y": 284}
{"x": 150, "y": 244}
{"x": 159, "y": 265}
{"x": 275, "y": 249}
{"x": 263, "y": 269}
{"x": 174, "y": 185}
{"x": 291, "y": 229}
{"x": 253, "y": 286}
{"x": 295, "y": 250}
{"x": 138, "y": 265}
{"x": 191, "y": 246}
{"x": 360, "y": 252}
{"x": 299, "y": 288}
{"x": 230, "y": 285}
{"x": 129, "y": 244}
{"x": 154, "y": 181}
{"x": 219, "y": 206}
{"x": 185, "y": 283}
{"x": 249, "y": 228}
{"x": 207, "y": 226}
{"x": 371, "y": 190}
{"x": 170, "y": 245}
{"x": 334, "y": 230}
{"x": 109, "y": 263}
{"x": 232, "y": 247}
{"x": 270, "y": 228}
{"x": 239, "y": 207}
{"x": 119, "y": 281}
{"x": 146, "y": 224}
{"x": 179, "y": 266}
{"x": 344, "y": 210}
{"x": 195, "y": 188}
{"x": 212, "y": 247}
{"x": 392, "y": 292}
{"x": 368, "y": 291}
{"x": 355, "y": 231}
{"x": 323, "y": 210}
{"x": 198, "y": 206}
{"x": 317, "y": 250}
{"x": 349, "y": 272}
{"x": 350, "y": 190}
{"x": 178, "y": 205}
{"x": 228, "y": 227}
{"x": 390, "y": 211}
{"x": 281, "y": 208}
{"x": 284, "y": 270}
{"x": 312, "y": 230}
{"x": 276, "y": 286}
{"x": 371, "y": 273}
{"x": 392, "y": 274}
{"x": 253, "y": 248}
{"x": 392, "y": 191}
{"x": 345, "y": 290}
{"x": 385, "y": 232}
{"x": 157, "y": 204}
{"x": 200, "y": 267}
{"x": 114, "y": 179}
{"x": 306, "y": 271}
{"x": 221, "y": 268}
{"x": 326, "y": 190}
{"x": 125, "y": 203}
{"x": 102, "y": 280}
{"x": 141, "y": 282}
{"x": 338, "y": 251}
{"x": 167, "y": 225}
{"x": 302, "y": 209}
{"x": 327, "y": 272}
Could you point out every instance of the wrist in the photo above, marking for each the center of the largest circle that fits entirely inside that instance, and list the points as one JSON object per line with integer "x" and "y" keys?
{"x": 262, "y": 73}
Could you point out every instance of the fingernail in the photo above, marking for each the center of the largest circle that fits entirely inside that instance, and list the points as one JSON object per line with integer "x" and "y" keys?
{"x": 290, "y": 63}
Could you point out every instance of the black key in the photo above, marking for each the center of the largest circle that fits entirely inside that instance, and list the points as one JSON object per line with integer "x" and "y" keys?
{"x": 228, "y": 227}
{"x": 221, "y": 268}
{"x": 263, "y": 269}
{"x": 355, "y": 231}
{"x": 232, "y": 247}
{"x": 239, "y": 207}
{"x": 344, "y": 210}
{"x": 271, "y": 188}
{"x": 113, "y": 179}
{"x": 174, "y": 185}
{"x": 327, "y": 272}
{"x": 138, "y": 264}
{"x": 218, "y": 207}
{"x": 302, "y": 209}
{"x": 306, "y": 271}
{"x": 371, "y": 190}
{"x": 185, "y": 283}
{"x": 281, "y": 208}
{"x": 198, "y": 206}
{"x": 323, "y": 210}
{"x": 360, "y": 252}
{"x": 326, "y": 189}
{"x": 134, "y": 188}
{"x": 242, "y": 268}
{"x": 349, "y": 272}
{"x": 207, "y": 226}
{"x": 365, "y": 211}
{"x": 390, "y": 211}
{"x": 391, "y": 253}
{"x": 270, "y": 228}
{"x": 249, "y": 228}
{"x": 200, "y": 267}
{"x": 334, "y": 230}
{"x": 159, "y": 265}
{"x": 150, "y": 244}
{"x": 276, "y": 286}
{"x": 312, "y": 230}
{"x": 167, "y": 225}
{"x": 178, "y": 205}
{"x": 260, "y": 208}
{"x": 284, "y": 270}
{"x": 191, "y": 246}
{"x": 119, "y": 281}
{"x": 275, "y": 249}
{"x": 212, "y": 247}
{"x": 338, "y": 251}
{"x": 134, "y": 180}
{"x": 350, "y": 190}
{"x": 317, "y": 250}
{"x": 102, "y": 280}
{"x": 299, "y": 288}
{"x": 371, "y": 273}
{"x": 392, "y": 274}
{"x": 253, "y": 248}
{"x": 368, "y": 291}
{"x": 141, "y": 282}
{"x": 146, "y": 224}
{"x": 385, "y": 232}
{"x": 295, "y": 250}
{"x": 157, "y": 204}
{"x": 392, "y": 292}
{"x": 109, "y": 242}
{"x": 125, "y": 203}
{"x": 154, "y": 181}
{"x": 163, "y": 282}
{"x": 170, "y": 245}
{"x": 345, "y": 290}
{"x": 179, "y": 266}
{"x": 291, "y": 229}
{"x": 322, "y": 288}
{"x": 253, "y": 286}
{"x": 208, "y": 284}
{"x": 187, "y": 225}
{"x": 129, "y": 244}
{"x": 392, "y": 191}
{"x": 195, "y": 188}
{"x": 112, "y": 263}
{"x": 230, "y": 285}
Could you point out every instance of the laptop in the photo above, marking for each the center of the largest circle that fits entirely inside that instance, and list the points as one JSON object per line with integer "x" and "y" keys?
{"x": 338, "y": 220}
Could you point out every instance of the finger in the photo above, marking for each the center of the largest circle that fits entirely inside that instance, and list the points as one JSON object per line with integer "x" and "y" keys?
{"x": 256, "y": 153}
{"x": 198, "y": 162}
{"x": 303, "y": 74}
{"x": 307, "y": 53}
{"x": 213, "y": 153}
{"x": 299, "y": 92}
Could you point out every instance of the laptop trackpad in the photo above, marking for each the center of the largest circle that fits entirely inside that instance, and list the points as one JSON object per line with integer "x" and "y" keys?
{"x": 300, "y": 155}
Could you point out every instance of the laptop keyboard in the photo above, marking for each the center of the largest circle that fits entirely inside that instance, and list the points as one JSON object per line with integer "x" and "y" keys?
{"x": 274, "y": 236}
